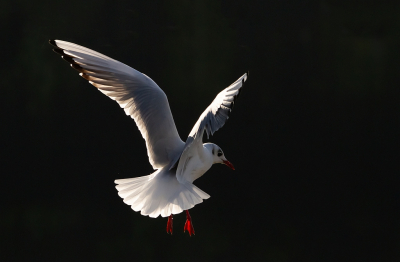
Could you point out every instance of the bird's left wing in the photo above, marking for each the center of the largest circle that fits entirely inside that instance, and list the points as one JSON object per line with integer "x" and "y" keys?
{"x": 212, "y": 119}
{"x": 136, "y": 93}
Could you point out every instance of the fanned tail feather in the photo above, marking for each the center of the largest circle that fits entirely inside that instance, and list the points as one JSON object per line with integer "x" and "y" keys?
{"x": 159, "y": 194}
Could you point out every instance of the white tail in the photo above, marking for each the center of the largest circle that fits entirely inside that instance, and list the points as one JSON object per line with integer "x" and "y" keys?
{"x": 159, "y": 194}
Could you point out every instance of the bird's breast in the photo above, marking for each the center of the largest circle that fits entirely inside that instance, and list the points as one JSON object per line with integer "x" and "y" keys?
{"x": 197, "y": 168}
{"x": 198, "y": 172}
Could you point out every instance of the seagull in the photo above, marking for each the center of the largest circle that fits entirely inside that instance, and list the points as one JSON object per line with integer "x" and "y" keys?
{"x": 177, "y": 164}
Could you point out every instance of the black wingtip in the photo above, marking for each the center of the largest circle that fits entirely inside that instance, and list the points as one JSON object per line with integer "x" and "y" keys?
{"x": 58, "y": 51}
{"x": 52, "y": 42}
{"x": 77, "y": 68}
{"x": 87, "y": 77}
{"x": 68, "y": 59}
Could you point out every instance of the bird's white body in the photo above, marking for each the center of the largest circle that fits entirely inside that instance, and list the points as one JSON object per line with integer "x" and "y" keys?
{"x": 199, "y": 163}
{"x": 170, "y": 189}
{"x": 161, "y": 193}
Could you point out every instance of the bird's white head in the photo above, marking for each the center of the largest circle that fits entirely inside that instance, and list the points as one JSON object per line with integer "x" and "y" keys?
{"x": 218, "y": 155}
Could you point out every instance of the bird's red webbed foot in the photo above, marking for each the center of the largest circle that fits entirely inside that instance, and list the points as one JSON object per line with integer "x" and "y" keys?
{"x": 189, "y": 224}
{"x": 169, "y": 224}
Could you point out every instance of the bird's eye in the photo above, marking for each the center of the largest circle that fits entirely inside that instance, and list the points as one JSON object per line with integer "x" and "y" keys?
{"x": 220, "y": 153}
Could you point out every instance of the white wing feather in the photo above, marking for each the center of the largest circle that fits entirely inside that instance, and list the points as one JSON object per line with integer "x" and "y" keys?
{"x": 136, "y": 93}
{"x": 212, "y": 119}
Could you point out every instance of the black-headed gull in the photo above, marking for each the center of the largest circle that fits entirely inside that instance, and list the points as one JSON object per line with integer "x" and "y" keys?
{"x": 169, "y": 190}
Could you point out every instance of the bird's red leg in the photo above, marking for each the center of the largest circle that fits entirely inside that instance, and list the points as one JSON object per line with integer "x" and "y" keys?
{"x": 169, "y": 224}
{"x": 189, "y": 224}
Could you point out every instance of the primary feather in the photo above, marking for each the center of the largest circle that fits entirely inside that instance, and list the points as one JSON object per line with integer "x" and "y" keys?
{"x": 136, "y": 93}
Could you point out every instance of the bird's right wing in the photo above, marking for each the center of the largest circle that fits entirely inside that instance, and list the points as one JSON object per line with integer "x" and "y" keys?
{"x": 217, "y": 113}
{"x": 212, "y": 119}
{"x": 136, "y": 93}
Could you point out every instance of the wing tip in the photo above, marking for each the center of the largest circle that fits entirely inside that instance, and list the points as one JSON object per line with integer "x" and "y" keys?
{"x": 68, "y": 59}
{"x": 87, "y": 77}
{"x": 246, "y": 75}
{"x": 76, "y": 66}
{"x": 53, "y": 42}
{"x": 58, "y": 51}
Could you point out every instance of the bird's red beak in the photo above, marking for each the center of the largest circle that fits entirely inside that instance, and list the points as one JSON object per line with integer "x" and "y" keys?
{"x": 229, "y": 164}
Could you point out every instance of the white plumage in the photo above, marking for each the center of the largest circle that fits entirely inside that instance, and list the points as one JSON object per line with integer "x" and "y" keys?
{"x": 159, "y": 194}
{"x": 170, "y": 189}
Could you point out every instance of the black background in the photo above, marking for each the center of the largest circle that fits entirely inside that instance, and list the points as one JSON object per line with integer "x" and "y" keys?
{"x": 314, "y": 135}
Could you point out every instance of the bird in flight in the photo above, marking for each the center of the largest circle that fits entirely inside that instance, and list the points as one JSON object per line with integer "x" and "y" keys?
{"x": 170, "y": 189}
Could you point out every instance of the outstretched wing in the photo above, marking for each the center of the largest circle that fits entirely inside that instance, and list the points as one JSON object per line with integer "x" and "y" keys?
{"x": 212, "y": 119}
{"x": 216, "y": 114}
{"x": 136, "y": 93}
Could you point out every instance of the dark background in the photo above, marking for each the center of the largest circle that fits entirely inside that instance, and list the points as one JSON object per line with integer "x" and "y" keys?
{"x": 314, "y": 136}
